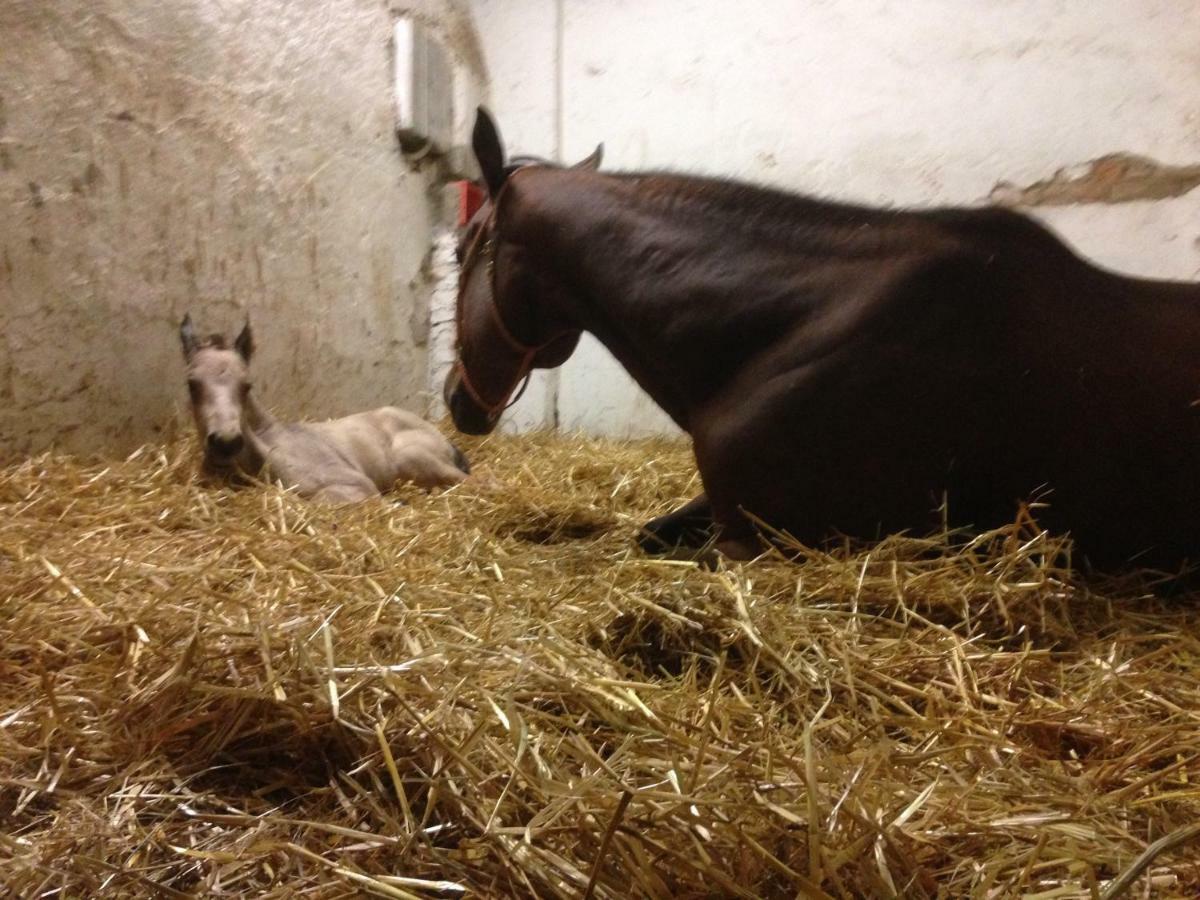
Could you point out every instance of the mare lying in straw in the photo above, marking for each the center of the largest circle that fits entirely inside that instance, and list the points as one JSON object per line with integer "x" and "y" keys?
{"x": 842, "y": 369}
{"x": 339, "y": 461}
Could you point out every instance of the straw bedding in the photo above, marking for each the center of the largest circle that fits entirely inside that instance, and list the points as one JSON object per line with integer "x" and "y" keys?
{"x": 490, "y": 691}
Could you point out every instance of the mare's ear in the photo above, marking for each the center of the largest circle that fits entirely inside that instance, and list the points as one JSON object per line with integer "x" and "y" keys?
{"x": 489, "y": 151}
{"x": 244, "y": 344}
{"x": 187, "y": 337}
{"x": 591, "y": 162}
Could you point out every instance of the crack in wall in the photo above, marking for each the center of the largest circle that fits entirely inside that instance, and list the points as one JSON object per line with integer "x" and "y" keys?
{"x": 1113, "y": 178}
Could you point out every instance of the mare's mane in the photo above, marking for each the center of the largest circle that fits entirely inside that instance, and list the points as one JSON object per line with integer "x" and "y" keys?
{"x": 799, "y": 222}
{"x": 805, "y": 224}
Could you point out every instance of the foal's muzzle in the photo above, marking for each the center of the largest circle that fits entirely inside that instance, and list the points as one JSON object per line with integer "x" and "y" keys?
{"x": 223, "y": 449}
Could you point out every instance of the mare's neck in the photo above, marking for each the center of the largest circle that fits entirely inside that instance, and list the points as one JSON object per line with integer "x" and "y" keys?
{"x": 646, "y": 287}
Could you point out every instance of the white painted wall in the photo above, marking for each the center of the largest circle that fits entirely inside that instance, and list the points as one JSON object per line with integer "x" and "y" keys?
{"x": 905, "y": 102}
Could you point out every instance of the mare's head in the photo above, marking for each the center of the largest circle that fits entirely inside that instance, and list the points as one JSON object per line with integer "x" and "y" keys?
{"x": 218, "y": 380}
{"x": 504, "y": 329}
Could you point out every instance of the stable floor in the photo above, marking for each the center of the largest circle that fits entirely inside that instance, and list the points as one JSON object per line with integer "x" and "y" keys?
{"x": 490, "y": 690}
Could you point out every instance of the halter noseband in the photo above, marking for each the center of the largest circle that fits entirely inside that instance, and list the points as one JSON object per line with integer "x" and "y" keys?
{"x": 527, "y": 351}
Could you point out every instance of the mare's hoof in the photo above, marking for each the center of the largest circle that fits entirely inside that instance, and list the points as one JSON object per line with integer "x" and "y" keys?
{"x": 672, "y": 539}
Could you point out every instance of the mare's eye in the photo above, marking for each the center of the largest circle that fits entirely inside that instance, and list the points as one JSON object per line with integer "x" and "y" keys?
{"x": 193, "y": 387}
{"x": 458, "y": 255}
{"x": 245, "y": 389}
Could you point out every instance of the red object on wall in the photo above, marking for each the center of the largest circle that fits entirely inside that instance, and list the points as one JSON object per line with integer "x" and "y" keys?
{"x": 470, "y": 198}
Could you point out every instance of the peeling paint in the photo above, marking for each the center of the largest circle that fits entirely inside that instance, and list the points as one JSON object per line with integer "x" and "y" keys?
{"x": 1114, "y": 178}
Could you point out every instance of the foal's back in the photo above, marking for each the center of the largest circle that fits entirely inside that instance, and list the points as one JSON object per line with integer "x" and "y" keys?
{"x": 384, "y": 445}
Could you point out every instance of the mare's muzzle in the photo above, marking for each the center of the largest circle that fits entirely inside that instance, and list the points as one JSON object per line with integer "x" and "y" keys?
{"x": 468, "y": 416}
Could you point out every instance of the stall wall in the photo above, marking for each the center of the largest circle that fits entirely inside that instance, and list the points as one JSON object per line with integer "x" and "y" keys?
{"x": 227, "y": 159}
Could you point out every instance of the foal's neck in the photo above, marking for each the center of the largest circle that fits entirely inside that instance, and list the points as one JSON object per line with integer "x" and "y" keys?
{"x": 255, "y": 418}
{"x": 257, "y": 425}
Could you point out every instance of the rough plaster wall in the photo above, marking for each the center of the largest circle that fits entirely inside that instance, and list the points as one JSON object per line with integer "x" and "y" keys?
{"x": 220, "y": 158}
{"x": 904, "y": 102}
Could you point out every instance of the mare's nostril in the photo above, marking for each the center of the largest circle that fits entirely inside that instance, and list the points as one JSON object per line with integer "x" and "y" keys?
{"x": 223, "y": 446}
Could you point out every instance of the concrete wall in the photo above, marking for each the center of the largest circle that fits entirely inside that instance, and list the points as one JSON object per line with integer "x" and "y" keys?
{"x": 222, "y": 158}
{"x": 910, "y": 102}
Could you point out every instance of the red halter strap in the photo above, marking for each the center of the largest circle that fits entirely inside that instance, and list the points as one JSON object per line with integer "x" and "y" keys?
{"x": 524, "y": 369}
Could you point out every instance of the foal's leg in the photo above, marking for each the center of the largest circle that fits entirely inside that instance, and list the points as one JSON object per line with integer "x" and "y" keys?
{"x": 689, "y": 526}
{"x": 349, "y": 491}
{"x": 417, "y": 459}
{"x": 431, "y": 472}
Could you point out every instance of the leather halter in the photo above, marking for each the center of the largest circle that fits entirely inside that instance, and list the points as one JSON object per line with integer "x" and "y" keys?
{"x": 493, "y": 410}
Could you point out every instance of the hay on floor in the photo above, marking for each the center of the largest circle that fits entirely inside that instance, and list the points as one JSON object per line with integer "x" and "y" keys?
{"x": 490, "y": 691}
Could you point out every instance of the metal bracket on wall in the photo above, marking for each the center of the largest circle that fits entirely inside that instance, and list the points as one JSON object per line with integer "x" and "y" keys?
{"x": 424, "y": 100}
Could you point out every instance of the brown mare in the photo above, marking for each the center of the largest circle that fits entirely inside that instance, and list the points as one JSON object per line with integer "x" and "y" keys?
{"x": 843, "y": 369}
{"x": 338, "y": 461}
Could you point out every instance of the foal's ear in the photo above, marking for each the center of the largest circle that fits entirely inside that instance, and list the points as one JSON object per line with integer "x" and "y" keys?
{"x": 489, "y": 150}
{"x": 244, "y": 343}
{"x": 591, "y": 163}
{"x": 187, "y": 337}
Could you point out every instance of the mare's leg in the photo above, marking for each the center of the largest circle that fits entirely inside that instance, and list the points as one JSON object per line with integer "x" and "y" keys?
{"x": 689, "y": 526}
{"x": 742, "y": 549}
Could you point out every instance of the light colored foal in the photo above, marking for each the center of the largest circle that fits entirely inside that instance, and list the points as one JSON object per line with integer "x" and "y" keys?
{"x": 339, "y": 461}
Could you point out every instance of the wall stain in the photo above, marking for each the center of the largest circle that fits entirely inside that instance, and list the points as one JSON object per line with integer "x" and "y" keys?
{"x": 1114, "y": 178}
{"x": 88, "y": 181}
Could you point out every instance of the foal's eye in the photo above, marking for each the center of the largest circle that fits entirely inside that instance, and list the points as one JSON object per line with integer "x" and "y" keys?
{"x": 458, "y": 255}
{"x": 245, "y": 389}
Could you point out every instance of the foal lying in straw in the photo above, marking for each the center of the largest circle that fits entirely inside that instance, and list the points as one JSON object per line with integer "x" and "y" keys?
{"x": 339, "y": 461}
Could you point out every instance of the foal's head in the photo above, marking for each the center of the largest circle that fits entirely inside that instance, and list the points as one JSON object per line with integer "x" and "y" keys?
{"x": 219, "y": 382}
{"x": 503, "y": 329}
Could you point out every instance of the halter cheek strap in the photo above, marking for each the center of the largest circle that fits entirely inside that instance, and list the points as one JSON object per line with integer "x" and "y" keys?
{"x": 493, "y": 410}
